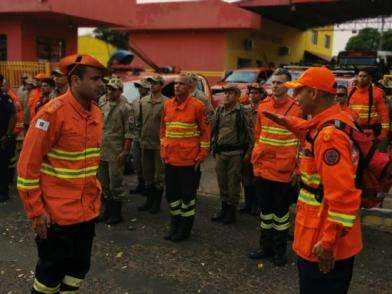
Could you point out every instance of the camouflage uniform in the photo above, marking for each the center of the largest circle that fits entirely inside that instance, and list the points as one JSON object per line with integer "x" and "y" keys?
{"x": 149, "y": 141}
{"x": 231, "y": 143}
{"x": 153, "y": 172}
{"x": 116, "y": 131}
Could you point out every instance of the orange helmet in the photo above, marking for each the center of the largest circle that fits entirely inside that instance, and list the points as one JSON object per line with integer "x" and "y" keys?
{"x": 41, "y": 76}
{"x": 65, "y": 64}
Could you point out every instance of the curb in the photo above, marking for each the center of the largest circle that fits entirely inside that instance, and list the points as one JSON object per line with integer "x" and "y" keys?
{"x": 377, "y": 218}
{"x": 374, "y": 218}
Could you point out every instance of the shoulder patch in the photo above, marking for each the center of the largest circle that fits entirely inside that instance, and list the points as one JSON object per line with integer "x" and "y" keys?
{"x": 53, "y": 106}
{"x": 331, "y": 156}
{"x": 42, "y": 124}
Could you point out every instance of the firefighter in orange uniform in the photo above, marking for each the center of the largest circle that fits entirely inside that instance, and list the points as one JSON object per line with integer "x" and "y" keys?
{"x": 327, "y": 226}
{"x": 370, "y": 103}
{"x": 35, "y": 94}
{"x": 185, "y": 143}
{"x": 57, "y": 180}
{"x": 274, "y": 160}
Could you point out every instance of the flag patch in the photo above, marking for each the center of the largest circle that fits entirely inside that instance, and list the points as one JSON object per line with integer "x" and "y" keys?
{"x": 42, "y": 124}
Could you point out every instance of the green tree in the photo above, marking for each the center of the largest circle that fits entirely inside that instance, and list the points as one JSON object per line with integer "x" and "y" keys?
{"x": 115, "y": 38}
{"x": 367, "y": 39}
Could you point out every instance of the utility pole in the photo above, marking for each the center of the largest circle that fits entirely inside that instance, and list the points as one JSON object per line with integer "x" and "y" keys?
{"x": 381, "y": 41}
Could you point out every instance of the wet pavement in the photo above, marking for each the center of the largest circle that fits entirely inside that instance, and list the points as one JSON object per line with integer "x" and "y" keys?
{"x": 212, "y": 261}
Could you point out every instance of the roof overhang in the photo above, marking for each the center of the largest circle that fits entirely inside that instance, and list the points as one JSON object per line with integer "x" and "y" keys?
{"x": 193, "y": 15}
{"x": 306, "y": 14}
{"x": 80, "y": 12}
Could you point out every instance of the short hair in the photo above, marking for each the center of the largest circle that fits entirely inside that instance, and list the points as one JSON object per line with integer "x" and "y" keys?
{"x": 75, "y": 70}
{"x": 327, "y": 96}
{"x": 50, "y": 83}
{"x": 186, "y": 77}
{"x": 368, "y": 70}
{"x": 282, "y": 71}
{"x": 341, "y": 87}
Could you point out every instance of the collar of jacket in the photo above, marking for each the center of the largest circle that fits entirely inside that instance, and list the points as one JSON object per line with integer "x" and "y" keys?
{"x": 183, "y": 104}
{"x": 279, "y": 103}
{"x": 92, "y": 114}
{"x": 158, "y": 100}
{"x": 322, "y": 116}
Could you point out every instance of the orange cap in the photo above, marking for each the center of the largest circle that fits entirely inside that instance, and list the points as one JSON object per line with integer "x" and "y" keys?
{"x": 41, "y": 76}
{"x": 83, "y": 59}
{"x": 320, "y": 78}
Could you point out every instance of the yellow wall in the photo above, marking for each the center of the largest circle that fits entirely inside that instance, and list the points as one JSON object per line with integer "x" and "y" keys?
{"x": 268, "y": 40}
{"x": 96, "y": 48}
{"x": 320, "y": 48}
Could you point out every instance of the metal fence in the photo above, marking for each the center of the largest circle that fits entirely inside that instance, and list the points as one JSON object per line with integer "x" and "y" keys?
{"x": 13, "y": 70}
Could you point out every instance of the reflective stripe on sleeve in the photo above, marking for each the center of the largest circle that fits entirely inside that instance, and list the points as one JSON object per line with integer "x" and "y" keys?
{"x": 276, "y": 131}
{"x": 308, "y": 198}
{"x": 204, "y": 144}
{"x": 27, "y": 184}
{"x": 346, "y": 220}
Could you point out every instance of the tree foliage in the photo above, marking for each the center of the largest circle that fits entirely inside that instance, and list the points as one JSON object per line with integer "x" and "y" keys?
{"x": 367, "y": 39}
{"x": 115, "y": 38}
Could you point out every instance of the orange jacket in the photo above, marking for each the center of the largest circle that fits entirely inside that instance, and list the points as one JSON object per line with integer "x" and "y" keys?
{"x": 330, "y": 167}
{"x": 185, "y": 132}
{"x": 19, "y": 113}
{"x": 59, "y": 161}
{"x": 379, "y": 112}
{"x": 33, "y": 99}
{"x": 275, "y": 151}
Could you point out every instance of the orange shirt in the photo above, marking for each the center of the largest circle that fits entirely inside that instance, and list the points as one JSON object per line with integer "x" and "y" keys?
{"x": 331, "y": 168}
{"x": 379, "y": 111}
{"x": 185, "y": 132}
{"x": 33, "y": 99}
{"x": 19, "y": 113}
{"x": 59, "y": 161}
{"x": 274, "y": 155}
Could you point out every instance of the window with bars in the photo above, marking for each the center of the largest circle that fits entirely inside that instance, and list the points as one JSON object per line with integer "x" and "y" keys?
{"x": 49, "y": 49}
{"x": 314, "y": 37}
{"x": 3, "y": 47}
{"x": 327, "y": 41}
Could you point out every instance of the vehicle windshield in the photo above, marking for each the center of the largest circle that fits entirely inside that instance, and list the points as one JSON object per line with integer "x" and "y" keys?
{"x": 357, "y": 61}
{"x": 241, "y": 77}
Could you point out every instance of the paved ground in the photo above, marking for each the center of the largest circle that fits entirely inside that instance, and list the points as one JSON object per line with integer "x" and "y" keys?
{"x": 213, "y": 261}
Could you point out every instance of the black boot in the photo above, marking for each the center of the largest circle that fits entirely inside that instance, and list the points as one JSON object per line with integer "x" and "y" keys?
{"x": 139, "y": 188}
{"x": 174, "y": 227}
{"x": 230, "y": 216}
{"x": 156, "y": 201}
{"x": 265, "y": 249}
{"x": 106, "y": 212}
{"x": 280, "y": 246}
{"x": 248, "y": 201}
{"x": 116, "y": 215}
{"x": 184, "y": 231}
{"x": 221, "y": 214}
{"x": 148, "y": 204}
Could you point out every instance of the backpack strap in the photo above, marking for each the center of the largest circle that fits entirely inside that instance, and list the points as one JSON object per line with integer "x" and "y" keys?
{"x": 288, "y": 109}
{"x": 350, "y": 95}
{"x": 370, "y": 103}
{"x": 340, "y": 125}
